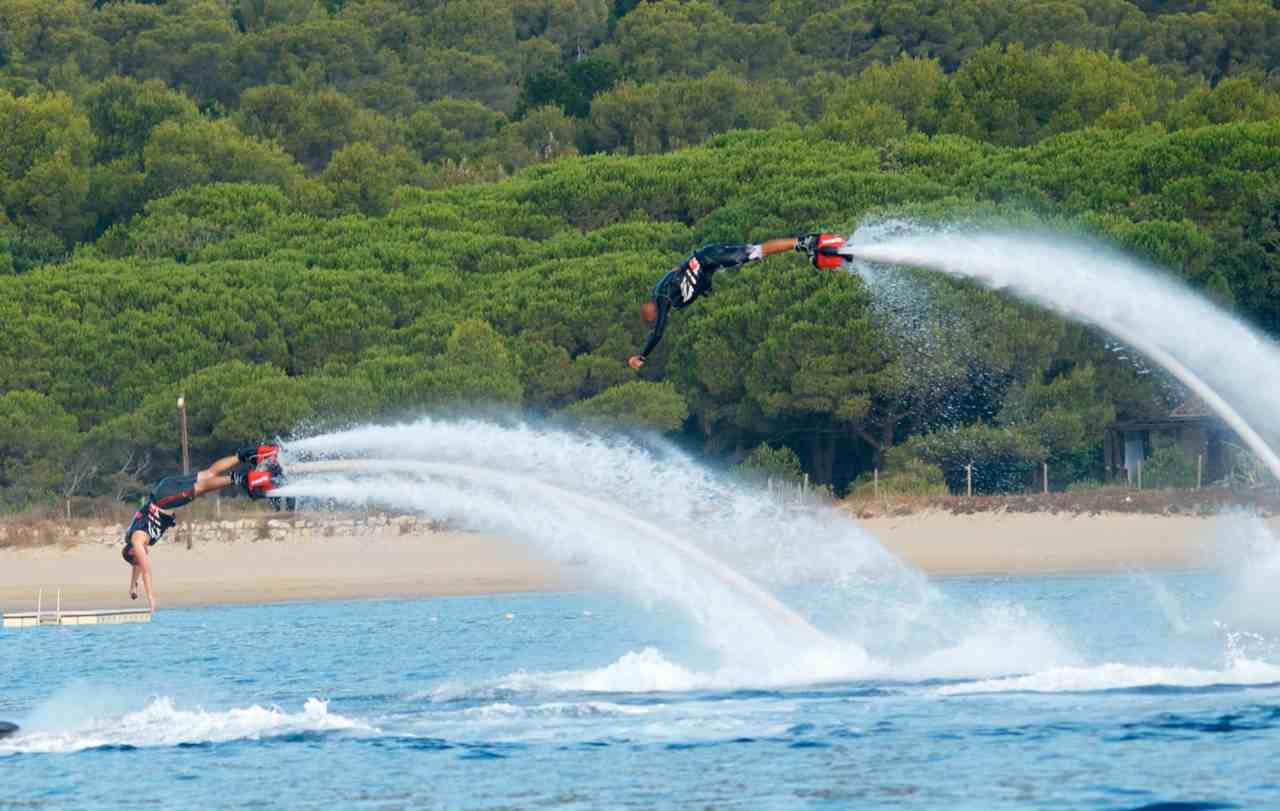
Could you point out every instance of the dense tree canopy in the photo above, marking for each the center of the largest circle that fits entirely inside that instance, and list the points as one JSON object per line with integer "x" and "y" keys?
{"x": 371, "y": 208}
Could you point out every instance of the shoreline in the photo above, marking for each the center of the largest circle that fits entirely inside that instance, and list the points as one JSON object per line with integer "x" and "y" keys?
{"x": 943, "y": 544}
{"x": 270, "y": 559}
{"x": 290, "y": 567}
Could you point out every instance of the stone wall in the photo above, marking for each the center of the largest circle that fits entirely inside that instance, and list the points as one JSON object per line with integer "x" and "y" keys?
{"x": 245, "y": 528}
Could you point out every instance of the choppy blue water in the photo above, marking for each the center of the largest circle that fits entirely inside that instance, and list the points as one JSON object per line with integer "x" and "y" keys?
{"x": 1141, "y": 695}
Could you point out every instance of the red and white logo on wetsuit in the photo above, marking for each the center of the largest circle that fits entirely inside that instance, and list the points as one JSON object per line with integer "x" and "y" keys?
{"x": 690, "y": 281}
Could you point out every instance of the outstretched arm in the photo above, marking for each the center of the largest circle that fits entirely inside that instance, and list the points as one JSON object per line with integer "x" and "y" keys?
{"x": 778, "y": 246}
{"x": 655, "y": 335}
{"x": 141, "y": 566}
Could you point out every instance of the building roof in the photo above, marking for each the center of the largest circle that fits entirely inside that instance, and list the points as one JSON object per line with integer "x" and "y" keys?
{"x": 1166, "y": 423}
{"x": 1193, "y": 412}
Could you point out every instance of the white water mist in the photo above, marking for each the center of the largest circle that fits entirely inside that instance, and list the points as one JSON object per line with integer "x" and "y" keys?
{"x": 647, "y": 520}
{"x": 1231, "y": 366}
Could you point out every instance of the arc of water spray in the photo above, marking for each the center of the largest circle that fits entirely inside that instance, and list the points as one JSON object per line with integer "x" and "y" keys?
{"x": 806, "y": 634}
{"x": 953, "y": 255}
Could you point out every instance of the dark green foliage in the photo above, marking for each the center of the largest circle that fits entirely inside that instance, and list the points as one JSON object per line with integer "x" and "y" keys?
{"x": 776, "y": 463}
{"x": 1064, "y": 417}
{"x": 905, "y": 475}
{"x": 657, "y": 406}
{"x": 1168, "y": 466}
{"x": 303, "y": 214}
{"x": 572, "y": 88}
{"x": 37, "y": 437}
{"x": 998, "y": 461}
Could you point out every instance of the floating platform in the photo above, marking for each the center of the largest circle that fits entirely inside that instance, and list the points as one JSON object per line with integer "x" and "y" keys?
{"x": 106, "y": 616}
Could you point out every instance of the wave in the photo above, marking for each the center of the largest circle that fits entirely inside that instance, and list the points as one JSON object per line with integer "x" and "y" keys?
{"x": 160, "y": 723}
{"x": 1114, "y": 676}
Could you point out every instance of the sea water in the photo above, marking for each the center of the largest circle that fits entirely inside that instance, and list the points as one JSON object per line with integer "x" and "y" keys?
{"x": 1155, "y": 689}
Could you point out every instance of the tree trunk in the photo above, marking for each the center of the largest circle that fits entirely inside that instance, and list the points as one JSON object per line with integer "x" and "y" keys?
{"x": 880, "y": 443}
{"x": 822, "y": 456}
{"x": 886, "y": 442}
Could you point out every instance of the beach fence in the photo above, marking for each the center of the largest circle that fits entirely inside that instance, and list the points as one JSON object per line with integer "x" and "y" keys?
{"x": 796, "y": 493}
{"x": 56, "y": 616}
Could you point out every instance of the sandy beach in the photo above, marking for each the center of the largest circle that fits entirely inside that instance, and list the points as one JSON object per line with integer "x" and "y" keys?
{"x": 267, "y": 560}
{"x": 378, "y": 564}
{"x": 942, "y": 543}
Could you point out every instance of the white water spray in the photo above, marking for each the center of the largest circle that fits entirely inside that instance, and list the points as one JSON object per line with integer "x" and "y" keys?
{"x": 756, "y": 599}
{"x": 648, "y": 519}
{"x": 1228, "y": 364}
{"x": 755, "y": 577}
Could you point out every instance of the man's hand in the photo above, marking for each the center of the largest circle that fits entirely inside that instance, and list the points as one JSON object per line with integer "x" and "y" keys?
{"x": 807, "y": 244}
{"x": 635, "y": 362}
{"x": 822, "y": 249}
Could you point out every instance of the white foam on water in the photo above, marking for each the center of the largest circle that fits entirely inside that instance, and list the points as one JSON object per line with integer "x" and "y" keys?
{"x": 1002, "y": 639}
{"x": 161, "y": 723}
{"x": 649, "y": 670}
{"x": 564, "y": 722}
{"x": 1115, "y": 676}
{"x": 577, "y": 710}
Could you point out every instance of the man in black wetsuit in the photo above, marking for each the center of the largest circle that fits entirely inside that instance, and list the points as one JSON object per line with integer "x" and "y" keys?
{"x": 692, "y": 277}
{"x": 156, "y": 515}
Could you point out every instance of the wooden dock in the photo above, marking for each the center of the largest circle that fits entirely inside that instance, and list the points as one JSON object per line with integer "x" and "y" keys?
{"x": 111, "y": 616}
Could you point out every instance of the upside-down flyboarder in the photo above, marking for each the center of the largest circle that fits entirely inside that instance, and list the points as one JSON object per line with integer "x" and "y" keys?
{"x": 692, "y": 278}
{"x": 149, "y": 524}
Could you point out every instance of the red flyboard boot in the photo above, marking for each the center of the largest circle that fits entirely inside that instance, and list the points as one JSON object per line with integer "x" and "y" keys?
{"x": 258, "y": 483}
{"x": 827, "y": 256}
{"x": 258, "y": 454}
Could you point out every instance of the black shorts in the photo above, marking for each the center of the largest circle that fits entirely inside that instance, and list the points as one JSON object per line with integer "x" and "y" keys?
{"x": 174, "y": 491}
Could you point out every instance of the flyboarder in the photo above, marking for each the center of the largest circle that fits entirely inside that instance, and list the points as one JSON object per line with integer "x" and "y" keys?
{"x": 156, "y": 515}
{"x": 692, "y": 277}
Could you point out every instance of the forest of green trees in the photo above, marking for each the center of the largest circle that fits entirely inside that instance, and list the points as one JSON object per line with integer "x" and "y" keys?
{"x": 304, "y": 213}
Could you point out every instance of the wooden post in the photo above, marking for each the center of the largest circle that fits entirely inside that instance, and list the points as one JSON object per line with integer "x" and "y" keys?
{"x": 182, "y": 428}
{"x": 186, "y": 457}
{"x": 876, "y": 483}
{"x": 1139, "y": 474}
{"x": 968, "y": 481}
{"x": 804, "y": 491}
{"x": 1046, "y": 477}
{"x": 1199, "y": 469}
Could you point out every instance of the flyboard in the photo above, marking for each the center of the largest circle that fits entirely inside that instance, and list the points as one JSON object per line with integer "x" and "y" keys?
{"x": 7, "y": 729}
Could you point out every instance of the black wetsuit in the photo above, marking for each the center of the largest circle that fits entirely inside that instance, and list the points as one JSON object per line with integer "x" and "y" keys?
{"x": 154, "y": 517}
{"x": 692, "y": 278}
